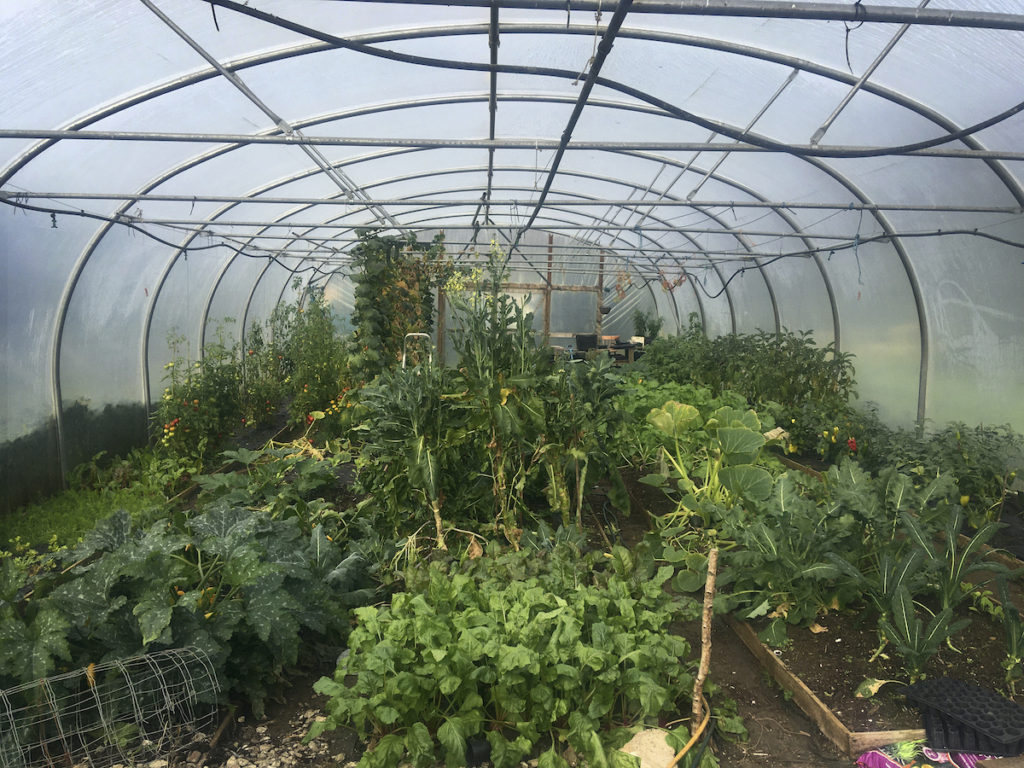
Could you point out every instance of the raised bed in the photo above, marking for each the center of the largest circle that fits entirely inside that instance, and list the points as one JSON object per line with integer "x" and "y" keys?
{"x": 851, "y": 743}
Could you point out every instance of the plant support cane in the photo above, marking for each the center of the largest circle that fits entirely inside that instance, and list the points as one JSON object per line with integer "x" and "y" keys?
{"x": 705, "y": 634}
{"x": 705, "y": 661}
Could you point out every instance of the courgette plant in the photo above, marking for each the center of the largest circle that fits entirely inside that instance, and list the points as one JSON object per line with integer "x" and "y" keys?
{"x": 708, "y": 465}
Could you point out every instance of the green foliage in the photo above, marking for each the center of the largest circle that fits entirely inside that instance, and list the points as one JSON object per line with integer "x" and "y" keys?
{"x": 647, "y": 324}
{"x": 480, "y": 444}
{"x": 231, "y": 388}
{"x": 500, "y": 365}
{"x": 395, "y": 280}
{"x": 264, "y": 371}
{"x": 786, "y": 368}
{"x": 201, "y": 404}
{"x": 530, "y": 649}
{"x": 911, "y": 638}
{"x": 414, "y": 457}
{"x": 951, "y": 567}
{"x": 283, "y": 479}
{"x": 780, "y": 566}
{"x": 711, "y": 464}
{"x": 639, "y": 442}
{"x": 63, "y": 519}
{"x": 582, "y": 426}
{"x": 239, "y": 585}
{"x": 984, "y": 460}
{"x": 309, "y": 355}
{"x": 1013, "y": 632}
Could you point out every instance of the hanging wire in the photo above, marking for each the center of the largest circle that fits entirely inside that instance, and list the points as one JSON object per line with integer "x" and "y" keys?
{"x": 857, "y": 8}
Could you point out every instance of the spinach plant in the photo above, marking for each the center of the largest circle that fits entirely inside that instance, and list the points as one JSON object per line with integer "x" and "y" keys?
{"x": 529, "y": 650}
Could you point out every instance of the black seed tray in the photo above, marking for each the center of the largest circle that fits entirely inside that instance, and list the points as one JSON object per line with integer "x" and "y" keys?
{"x": 962, "y": 717}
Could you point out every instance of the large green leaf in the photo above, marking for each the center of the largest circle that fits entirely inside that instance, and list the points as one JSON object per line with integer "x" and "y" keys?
{"x": 739, "y": 444}
{"x": 904, "y": 618}
{"x": 29, "y": 652}
{"x": 223, "y": 529}
{"x": 452, "y": 735}
{"x": 269, "y": 613}
{"x": 11, "y": 580}
{"x": 506, "y": 753}
{"x": 419, "y": 745}
{"x": 913, "y": 529}
{"x": 747, "y": 481}
{"x": 674, "y": 419}
{"x": 154, "y": 615}
{"x": 106, "y": 536}
{"x": 727, "y": 416}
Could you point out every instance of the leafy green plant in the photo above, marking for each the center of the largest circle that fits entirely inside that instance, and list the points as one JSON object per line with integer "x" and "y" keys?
{"x": 984, "y": 460}
{"x": 1013, "y": 632}
{"x": 581, "y": 428}
{"x": 528, "y": 651}
{"x": 201, "y": 404}
{"x": 414, "y": 435}
{"x": 63, "y": 519}
{"x": 241, "y": 586}
{"x": 709, "y": 464}
{"x": 955, "y": 563}
{"x": 786, "y": 368}
{"x": 781, "y": 565}
{"x": 312, "y": 355}
{"x": 282, "y": 479}
{"x": 909, "y": 636}
{"x": 395, "y": 281}
{"x": 647, "y": 324}
{"x": 500, "y": 363}
{"x": 640, "y": 443}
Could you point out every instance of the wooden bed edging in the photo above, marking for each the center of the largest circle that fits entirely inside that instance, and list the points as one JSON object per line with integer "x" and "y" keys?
{"x": 850, "y": 743}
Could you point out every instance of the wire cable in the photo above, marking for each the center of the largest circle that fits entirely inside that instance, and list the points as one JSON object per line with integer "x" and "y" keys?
{"x": 671, "y": 109}
{"x": 133, "y": 223}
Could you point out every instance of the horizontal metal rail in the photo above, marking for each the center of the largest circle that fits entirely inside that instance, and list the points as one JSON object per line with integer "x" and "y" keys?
{"x": 500, "y": 202}
{"x": 766, "y": 9}
{"x": 434, "y": 143}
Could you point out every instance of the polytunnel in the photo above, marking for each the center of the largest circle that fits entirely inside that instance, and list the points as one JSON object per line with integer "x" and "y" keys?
{"x": 853, "y": 169}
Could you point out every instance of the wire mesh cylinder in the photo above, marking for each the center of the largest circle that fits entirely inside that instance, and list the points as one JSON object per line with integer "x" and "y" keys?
{"x": 116, "y": 712}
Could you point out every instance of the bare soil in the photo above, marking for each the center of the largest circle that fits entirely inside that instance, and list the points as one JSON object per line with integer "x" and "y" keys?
{"x": 834, "y": 662}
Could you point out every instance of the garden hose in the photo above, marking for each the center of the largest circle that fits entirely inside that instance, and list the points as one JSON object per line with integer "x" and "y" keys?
{"x": 696, "y": 735}
{"x": 699, "y": 755}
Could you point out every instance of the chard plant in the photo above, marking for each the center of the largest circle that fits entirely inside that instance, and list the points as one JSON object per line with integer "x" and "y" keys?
{"x": 532, "y": 651}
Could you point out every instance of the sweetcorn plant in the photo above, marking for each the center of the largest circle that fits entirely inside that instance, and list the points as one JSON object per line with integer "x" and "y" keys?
{"x": 521, "y": 650}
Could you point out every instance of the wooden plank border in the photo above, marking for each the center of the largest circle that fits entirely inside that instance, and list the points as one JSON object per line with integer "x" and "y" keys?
{"x": 849, "y": 742}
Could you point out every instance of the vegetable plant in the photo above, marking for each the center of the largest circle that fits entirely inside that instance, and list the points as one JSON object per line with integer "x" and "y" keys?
{"x": 242, "y": 587}
{"x": 710, "y": 464}
{"x": 528, "y": 650}
{"x": 911, "y": 638}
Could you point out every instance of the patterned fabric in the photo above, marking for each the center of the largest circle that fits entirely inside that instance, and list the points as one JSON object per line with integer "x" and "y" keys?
{"x": 885, "y": 757}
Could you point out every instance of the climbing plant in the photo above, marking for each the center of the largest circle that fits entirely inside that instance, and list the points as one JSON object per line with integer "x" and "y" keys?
{"x": 395, "y": 279}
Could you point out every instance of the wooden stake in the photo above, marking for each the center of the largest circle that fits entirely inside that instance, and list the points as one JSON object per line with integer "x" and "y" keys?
{"x": 705, "y": 636}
